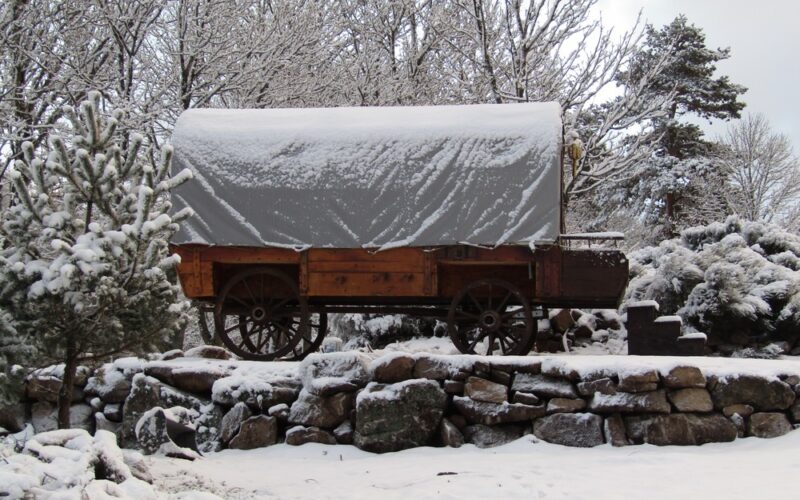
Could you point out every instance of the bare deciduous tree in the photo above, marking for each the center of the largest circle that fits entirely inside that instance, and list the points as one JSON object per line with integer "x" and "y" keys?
{"x": 762, "y": 170}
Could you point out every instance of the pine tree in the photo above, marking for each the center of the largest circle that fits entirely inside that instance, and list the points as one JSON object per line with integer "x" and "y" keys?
{"x": 85, "y": 270}
{"x": 690, "y": 78}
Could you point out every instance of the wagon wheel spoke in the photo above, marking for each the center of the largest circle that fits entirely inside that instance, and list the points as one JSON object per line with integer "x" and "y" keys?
{"x": 272, "y": 308}
{"x": 480, "y": 336}
{"x": 462, "y": 315}
{"x": 250, "y": 292}
{"x": 503, "y": 303}
{"x": 475, "y": 301}
{"x": 237, "y": 299}
{"x": 230, "y": 329}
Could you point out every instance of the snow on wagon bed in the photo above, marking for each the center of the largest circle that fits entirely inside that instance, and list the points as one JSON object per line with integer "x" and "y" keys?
{"x": 370, "y": 177}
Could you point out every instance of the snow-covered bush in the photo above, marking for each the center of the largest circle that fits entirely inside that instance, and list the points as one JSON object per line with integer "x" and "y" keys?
{"x": 85, "y": 270}
{"x": 377, "y": 331}
{"x": 737, "y": 281}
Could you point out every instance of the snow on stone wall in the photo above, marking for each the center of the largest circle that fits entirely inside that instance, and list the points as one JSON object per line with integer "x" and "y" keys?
{"x": 386, "y": 402}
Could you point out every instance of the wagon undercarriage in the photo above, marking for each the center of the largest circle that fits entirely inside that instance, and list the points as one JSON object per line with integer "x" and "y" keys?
{"x": 273, "y": 303}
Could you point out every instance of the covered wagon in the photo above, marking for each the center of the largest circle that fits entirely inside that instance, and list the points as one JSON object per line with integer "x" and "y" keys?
{"x": 450, "y": 212}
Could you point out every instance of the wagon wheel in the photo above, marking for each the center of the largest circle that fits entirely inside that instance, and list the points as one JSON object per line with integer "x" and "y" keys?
{"x": 206, "y": 333}
{"x": 308, "y": 343}
{"x": 260, "y": 315}
{"x": 490, "y": 315}
{"x": 318, "y": 327}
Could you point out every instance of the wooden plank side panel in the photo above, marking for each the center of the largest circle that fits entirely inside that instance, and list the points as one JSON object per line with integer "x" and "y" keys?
{"x": 452, "y": 278}
{"x": 245, "y": 255}
{"x": 365, "y": 284}
{"x": 196, "y": 282}
{"x": 410, "y": 256}
{"x": 468, "y": 255}
{"x": 548, "y": 273}
{"x": 594, "y": 275}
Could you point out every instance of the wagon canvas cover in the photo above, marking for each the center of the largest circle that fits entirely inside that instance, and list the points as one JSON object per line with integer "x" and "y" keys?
{"x": 370, "y": 177}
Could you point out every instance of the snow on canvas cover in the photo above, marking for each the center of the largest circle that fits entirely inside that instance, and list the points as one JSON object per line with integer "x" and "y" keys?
{"x": 370, "y": 177}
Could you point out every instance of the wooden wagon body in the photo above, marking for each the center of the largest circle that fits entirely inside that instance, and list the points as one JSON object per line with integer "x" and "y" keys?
{"x": 335, "y": 279}
{"x": 270, "y": 300}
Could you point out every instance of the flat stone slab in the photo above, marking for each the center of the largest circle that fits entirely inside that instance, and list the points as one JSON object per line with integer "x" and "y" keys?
{"x": 496, "y": 413}
{"x": 691, "y": 400}
{"x": 684, "y": 429}
{"x": 761, "y": 393}
{"x": 623, "y": 402}
{"x": 485, "y": 390}
{"x": 544, "y": 386}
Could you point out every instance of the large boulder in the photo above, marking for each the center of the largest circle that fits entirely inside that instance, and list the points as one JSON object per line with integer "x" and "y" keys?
{"x": 478, "y": 412}
{"x": 197, "y": 378}
{"x": 684, "y": 429}
{"x": 153, "y": 436}
{"x": 393, "y": 367}
{"x": 46, "y": 388}
{"x": 259, "y": 393}
{"x": 769, "y": 425}
{"x": 256, "y": 432}
{"x": 761, "y": 393}
{"x": 398, "y": 416}
{"x": 326, "y": 374}
{"x": 583, "y": 430}
{"x": 484, "y": 436}
{"x": 544, "y": 386}
{"x": 147, "y": 393}
{"x": 320, "y": 411}
{"x": 623, "y": 402}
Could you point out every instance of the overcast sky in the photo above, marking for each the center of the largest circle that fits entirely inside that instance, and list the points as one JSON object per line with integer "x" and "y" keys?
{"x": 764, "y": 41}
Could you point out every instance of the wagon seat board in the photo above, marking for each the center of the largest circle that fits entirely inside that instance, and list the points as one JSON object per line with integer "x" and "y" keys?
{"x": 390, "y": 203}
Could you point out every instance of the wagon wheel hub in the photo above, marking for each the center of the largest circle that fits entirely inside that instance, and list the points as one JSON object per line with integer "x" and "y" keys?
{"x": 491, "y": 321}
{"x": 259, "y": 314}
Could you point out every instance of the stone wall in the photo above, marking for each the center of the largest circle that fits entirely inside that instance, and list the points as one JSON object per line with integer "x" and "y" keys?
{"x": 395, "y": 401}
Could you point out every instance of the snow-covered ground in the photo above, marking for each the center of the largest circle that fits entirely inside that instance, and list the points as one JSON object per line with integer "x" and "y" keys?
{"x": 749, "y": 468}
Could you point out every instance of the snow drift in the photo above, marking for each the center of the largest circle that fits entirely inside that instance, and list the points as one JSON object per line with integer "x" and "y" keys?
{"x": 370, "y": 177}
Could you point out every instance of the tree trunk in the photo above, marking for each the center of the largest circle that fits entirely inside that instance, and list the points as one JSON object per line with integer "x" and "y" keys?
{"x": 669, "y": 226}
{"x": 67, "y": 384}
